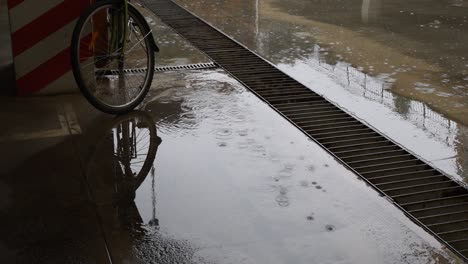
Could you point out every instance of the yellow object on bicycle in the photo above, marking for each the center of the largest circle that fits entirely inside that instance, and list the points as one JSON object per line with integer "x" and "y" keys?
{"x": 92, "y": 43}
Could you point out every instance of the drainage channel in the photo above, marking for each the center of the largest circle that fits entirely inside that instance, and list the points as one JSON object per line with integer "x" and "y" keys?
{"x": 185, "y": 67}
{"x": 427, "y": 196}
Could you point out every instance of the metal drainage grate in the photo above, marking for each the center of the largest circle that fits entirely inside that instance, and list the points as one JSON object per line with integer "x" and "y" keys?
{"x": 197, "y": 66}
{"x": 430, "y": 198}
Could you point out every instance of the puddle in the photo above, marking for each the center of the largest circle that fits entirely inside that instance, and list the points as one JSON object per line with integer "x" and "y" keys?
{"x": 204, "y": 200}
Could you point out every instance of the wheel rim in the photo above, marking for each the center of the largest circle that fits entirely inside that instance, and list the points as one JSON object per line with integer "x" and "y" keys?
{"x": 114, "y": 77}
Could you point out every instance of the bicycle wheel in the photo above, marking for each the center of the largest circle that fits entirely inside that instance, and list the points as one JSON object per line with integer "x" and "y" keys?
{"x": 135, "y": 145}
{"x": 112, "y": 71}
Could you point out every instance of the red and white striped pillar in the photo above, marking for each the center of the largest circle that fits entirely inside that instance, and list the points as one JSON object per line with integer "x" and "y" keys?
{"x": 41, "y": 32}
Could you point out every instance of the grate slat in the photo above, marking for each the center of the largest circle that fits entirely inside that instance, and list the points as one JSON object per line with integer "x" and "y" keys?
{"x": 444, "y": 217}
{"x": 385, "y": 159}
{"x": 411, "y": 182}
{"x": 402, "y": 176}
{"x": 439, "y": 209}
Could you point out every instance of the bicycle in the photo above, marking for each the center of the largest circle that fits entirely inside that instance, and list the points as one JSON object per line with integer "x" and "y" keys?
{"x": 112, "y": 56}
{"x": 120, "y": 159}
{"x": 124, "y": 154}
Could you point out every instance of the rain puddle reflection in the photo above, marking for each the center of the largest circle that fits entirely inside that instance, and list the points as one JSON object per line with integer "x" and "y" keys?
{"x": 256, "y": 191}
{"x": 121, "y": 160}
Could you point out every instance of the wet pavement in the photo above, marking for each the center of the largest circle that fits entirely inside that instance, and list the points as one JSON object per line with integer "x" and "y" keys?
{"x": 273, "y": 196}
{"x": 206, "y": 173}
{"x": 217, "y": 178}
{"x": 392, "y": 64}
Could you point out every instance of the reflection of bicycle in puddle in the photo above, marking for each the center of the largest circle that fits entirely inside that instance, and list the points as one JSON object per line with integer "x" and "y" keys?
{"x": 121, "y": 161}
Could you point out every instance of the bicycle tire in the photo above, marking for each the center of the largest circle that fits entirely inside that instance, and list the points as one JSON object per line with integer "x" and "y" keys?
{"x": 75, "y": 58}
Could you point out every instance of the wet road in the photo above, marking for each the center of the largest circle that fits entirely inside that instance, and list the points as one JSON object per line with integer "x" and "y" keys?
{"x": 400, "y": 66}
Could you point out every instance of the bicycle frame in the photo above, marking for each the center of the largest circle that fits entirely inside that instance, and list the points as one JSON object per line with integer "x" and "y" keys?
{"x": 119, "y": 38}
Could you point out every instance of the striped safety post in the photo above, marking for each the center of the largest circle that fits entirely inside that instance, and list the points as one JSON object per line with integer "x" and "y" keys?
{"x": 41, "y": 32}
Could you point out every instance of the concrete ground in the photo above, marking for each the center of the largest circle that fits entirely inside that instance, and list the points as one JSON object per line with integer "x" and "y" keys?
{"x": 231, "y": 182}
